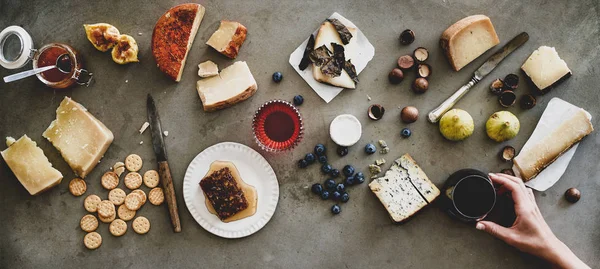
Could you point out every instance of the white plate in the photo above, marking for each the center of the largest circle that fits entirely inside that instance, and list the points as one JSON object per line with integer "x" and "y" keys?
{"x": 254, "y": 170}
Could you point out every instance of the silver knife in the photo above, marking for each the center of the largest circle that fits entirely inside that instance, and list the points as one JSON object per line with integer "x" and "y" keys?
{"x": 479, "y": 74}
{"x": 158, "y": 144}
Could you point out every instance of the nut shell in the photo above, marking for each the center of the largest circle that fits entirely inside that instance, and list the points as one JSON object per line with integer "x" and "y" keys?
{"x": 420, "y": 85}
{"x": 407, "y": 37}
{"x": 527, "y": 101}
{"x": 511, "y": 82}
{"x": 409, "y": 114}
{"x": 406, "y": 62}
{"x": 421, "y": 54}
{"x": 497, "y": 86}
{"x": 396, "y": 76}
{"x": 376, "y": 112}
{"x": 508, "y": 172}
{"x": 508, "y": 153}
{"x": 572, "y": 195}
{"x": 507, "y": 98}
{"x": 424, "y": 70}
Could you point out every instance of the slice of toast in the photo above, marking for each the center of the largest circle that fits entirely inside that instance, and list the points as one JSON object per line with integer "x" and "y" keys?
{"x": 224, "y": 193}
{"x": 327, "y": 35}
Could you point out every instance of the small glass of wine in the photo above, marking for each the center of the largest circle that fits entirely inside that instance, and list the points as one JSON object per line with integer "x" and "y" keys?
{"x": 277, "y": 126}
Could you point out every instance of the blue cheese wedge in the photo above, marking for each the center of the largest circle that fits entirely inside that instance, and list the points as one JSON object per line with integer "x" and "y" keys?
{"x": 545, "y": 68}
{"x": 404, "y": 189}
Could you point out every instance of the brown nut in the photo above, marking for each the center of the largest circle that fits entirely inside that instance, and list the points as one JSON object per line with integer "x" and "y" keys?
{"x": 511, "y": 82}
{"x": 420, "y": 85}
{"x": 376, "y": 112}
{"x": 572, "y": 195}
{"x": 409, "y": 114}
{"x": 508, "y": 172}
{"x": 527, "y": 101}
{"x": 497, "y": 86}
{"x": 407, "y": 37}
{"x": 424, "y": 70}
{"x": 507, "y": 98}
{"x": 421, "y": 54}
{"x": 396, "y": 76}
{"x": 508, "y": 153}
{"x": 406, "y": 62}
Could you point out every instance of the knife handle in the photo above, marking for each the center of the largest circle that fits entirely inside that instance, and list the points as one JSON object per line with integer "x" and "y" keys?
{"x": 167, "y": 182}
{"x": 435, "y": 115}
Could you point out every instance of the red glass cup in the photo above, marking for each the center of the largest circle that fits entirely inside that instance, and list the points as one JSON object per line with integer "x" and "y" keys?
{"x": 277, "y": 126}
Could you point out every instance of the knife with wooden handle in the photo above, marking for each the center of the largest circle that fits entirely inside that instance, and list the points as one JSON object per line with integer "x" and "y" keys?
{"x": 158, "y": 144}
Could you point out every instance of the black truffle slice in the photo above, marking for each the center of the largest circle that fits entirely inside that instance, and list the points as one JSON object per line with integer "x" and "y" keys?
{"x": 320, "y": 55}
{"x": 351, "y": 70}
{"x": 334, "y": 66}
{"x": 309, "y": 48}
{"x": 342, "y": 30}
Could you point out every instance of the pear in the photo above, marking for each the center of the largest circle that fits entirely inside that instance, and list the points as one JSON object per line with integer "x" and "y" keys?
{"x": 502, "y": 126}
{"x": 456, "y": 125}
{"x": 102, "y": 35}
{"x": 126, "y": 50}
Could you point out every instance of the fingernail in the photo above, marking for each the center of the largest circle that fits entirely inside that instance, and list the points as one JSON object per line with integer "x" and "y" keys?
{"x": 479, "y": 226}
{"x": 491, "y": 174}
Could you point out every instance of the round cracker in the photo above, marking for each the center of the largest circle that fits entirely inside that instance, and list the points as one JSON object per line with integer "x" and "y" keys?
{"x": 117, "y": 196}
{"x": 91, "y": 203}
{"x": 142, "y": 195}
{"x": 117, "y": 227}
{"x": 88, "y": 223}
{"x": 77, "y": 186}
{"x": 133, "y": 201}
{"x": 125, "y": 213}
{"x": 156, "y": 196}
{"x": 106, "y": 209}
{"x": 107, "y": 219}
{"x": 151, "y": 178}
{"x": 133, "y": 162}
{"x": 110, "y": 180}
{"x": 92, "y": 240}
{"x": 133, "y": 180}
{"x": 141, "y": 225}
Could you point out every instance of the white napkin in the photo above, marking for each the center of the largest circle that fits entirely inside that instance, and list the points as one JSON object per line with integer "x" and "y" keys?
{"x": 552, "y": 117}
{"x": 360, "y": 59}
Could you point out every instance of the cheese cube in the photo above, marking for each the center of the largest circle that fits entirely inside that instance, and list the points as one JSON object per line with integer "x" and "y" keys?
{"x": 467, "y": 39}
{"x": 234, "y": 84}
{"x": 208, "y": 69}
{"x": 81, "y": 138}
{"x": 30, "y": 165}
{"x": 545, "y": 68}
{"x": 228, "y": 38}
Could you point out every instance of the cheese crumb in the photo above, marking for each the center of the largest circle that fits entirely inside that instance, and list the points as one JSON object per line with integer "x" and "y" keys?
{"x": 127, "y": 80}
{"x": 141, "y": 142}
{"x": 140, "y": 33}
{"x": 368, "y": 97}
{"x": 380, "y": 162}
{"x": 10, "y": 140}
{"x": 166, "y": 133}
{"x": 144, "y": 127}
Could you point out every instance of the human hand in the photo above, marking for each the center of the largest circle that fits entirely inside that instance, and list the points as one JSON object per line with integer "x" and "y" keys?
{"x": 529, "y": 233}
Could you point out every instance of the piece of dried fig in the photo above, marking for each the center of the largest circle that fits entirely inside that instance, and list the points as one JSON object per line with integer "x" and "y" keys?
{"x": 125, "y": 51}
{"x": 102, "y": 35}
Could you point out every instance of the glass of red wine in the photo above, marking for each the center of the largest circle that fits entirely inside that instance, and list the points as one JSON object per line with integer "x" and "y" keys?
{"x": 277, "y": 126}
{"x": 469, "y": 195}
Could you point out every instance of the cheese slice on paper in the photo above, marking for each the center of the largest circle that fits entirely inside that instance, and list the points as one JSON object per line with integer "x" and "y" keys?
{"x": 234, "y": 84}
{"x": 80, "y": 138}
{"x": 327, "y": 35}
{"x": 30, "y": 165}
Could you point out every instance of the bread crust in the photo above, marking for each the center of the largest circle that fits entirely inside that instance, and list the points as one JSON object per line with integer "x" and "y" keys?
{"x": 231, "y": 101}
{"x": 233, "y": 48}
{"x": 448, "y": 34}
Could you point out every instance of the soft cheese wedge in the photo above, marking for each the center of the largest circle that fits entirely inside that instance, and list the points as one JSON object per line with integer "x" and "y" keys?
{"x": 545, "y": 68}
{"x": 248, "y": 190}
{"x": 234, "y": 84}
{"x": 467, "y": 39}
{"x": 531, "y": 162}
{"x": 327, "y": 35}
{"x": 228, "y": 38}
{"x": 30, "y": 165}
{"x": 404, "y": 189}
{"x": 81, "y": 138}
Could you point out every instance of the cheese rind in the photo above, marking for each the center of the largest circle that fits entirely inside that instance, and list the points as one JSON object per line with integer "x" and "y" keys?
{"x": 31, "y": 166}
{"x": 468, "y": 39}
{"x": 545, "y": 68}
{"x": 80, "y": 138}
{"x": 228, "y": 38}
{"x": 234, "y": 84}
{"x": 327, "y": 35}
{"x": 208, "y": 69}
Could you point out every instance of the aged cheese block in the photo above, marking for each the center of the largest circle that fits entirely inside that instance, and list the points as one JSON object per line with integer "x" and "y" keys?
{"x": 173, "y": 37}
{"x": 545, "y": 68}
{"x": 546, "y": 151}
{"x": 327, "y": 35}
{"x": 30, "y": 165}
{"x": 81, "y": 138}
{"x": 467, "y": 39}
{"x": 208, "y": 69}
{"x": 228, "y": 38}
{"x": 233, "y": 85}
{"x": 419, "y": 179}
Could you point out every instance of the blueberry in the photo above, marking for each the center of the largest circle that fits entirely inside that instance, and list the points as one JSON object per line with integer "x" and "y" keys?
{"x": 336, "y": 196}
{"x": 326, "y": 169}
{"x": 310, "y": 158}
{"x": 335, "y": 173}
{"x": 317, "y": 188}
{"x": 320, "y": 149}
{"x": 342, "y": 151}
{"x": 350, "y": 181}
{"x": 298, "y": 100}
{"x": 405, "y": 132}
{"x": 348, "y": 170}
{"x": 277, "y": 77}
{"x": 345, "y": 197}
{"x": 329, "y": 184}
{"x": 302, "y": 163}
{"x": 359, "y": 180}
{"x": 324, "y": 195}
{"x": 323, "y": 159}
{"x": 370, "y": 148}
{"x": 359, "y": 175}
{"x": 336, "y": 209}
{"x": 340, "y": 187}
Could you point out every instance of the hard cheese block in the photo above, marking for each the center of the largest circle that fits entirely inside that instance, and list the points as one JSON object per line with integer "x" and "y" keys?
{"x": 404, "y": 189}
{"x": 81, "y": 138}
{"x": 545, "y": 68}
{"x": 30, "y": 165}
{"x": 467, "y": 39}
{"x": 327, "y": 35}
{"x": 228, "y": 38}
{"x": 233, "y": 85}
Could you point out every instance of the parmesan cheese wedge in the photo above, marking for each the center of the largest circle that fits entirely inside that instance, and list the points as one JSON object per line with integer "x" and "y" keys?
{"x": 327, "y": 35}
{"x": 234, "y": 84}
{"x": 31, "y": 166}
{"x": 228, "y": 38}
{"x": 545, "y": 68}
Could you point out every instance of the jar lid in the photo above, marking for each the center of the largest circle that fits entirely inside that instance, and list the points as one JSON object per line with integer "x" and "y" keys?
{"x": 16, "y": 46}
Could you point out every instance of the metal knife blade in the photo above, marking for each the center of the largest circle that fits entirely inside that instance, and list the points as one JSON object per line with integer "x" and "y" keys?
{"x": 495, "y": 59}
{"x": 158, "y": 142}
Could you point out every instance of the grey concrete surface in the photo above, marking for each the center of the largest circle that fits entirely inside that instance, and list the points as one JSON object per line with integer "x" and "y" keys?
{"x": 43, "y": 231}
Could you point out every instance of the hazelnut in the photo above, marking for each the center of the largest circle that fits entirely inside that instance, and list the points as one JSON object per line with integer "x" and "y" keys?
{"x": 572, "y": 195}
{"x": 376, "y": 112}
{"x": 396, "y": 76}
{"x": 406, "y": 62}
{"x": 424, "y": 70}
{"x": 508, "y": 172}
{"x": 407, "y": 37}
{"x": 421, "y": 54}
{"x": 511, "y": 82}
{"x": 527, "y": 101}
{"x": 420, "y": 85}
{"x": 507, "y": 98}
{"x": 507, "y": 153}
{"x": 497, "y": 86}
{"x": 409, "y": 114}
